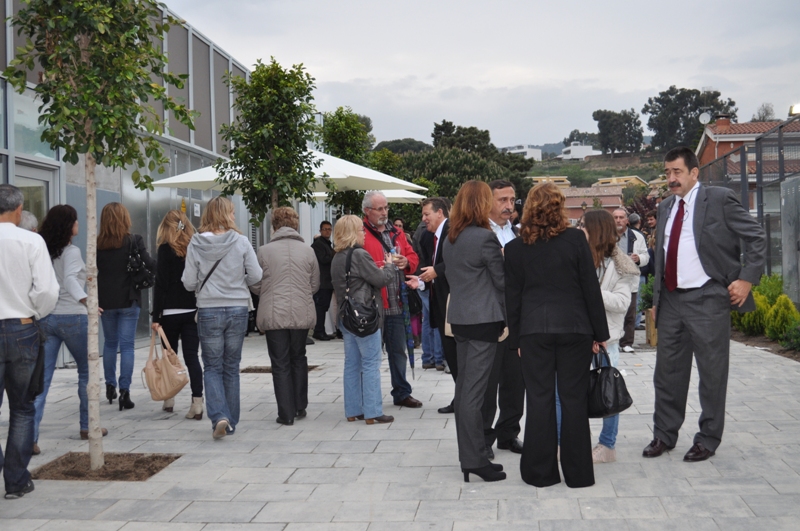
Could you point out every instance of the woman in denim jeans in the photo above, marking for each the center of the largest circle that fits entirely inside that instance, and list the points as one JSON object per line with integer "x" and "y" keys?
{"x": 220, "y": 265}
{"x": 69, "y": 322}
{"x": 362, "y": 355}
{"x": 119, "y": 301}
{"x": 617, "y": 275}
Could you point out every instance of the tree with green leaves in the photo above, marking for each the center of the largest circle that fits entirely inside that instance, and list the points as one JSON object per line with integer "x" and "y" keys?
{"x": 345, "y": 134}
{"x": 404, "y": 145}
{"x": 100, "y": 70}
{"x": 619, "y": 131}
{"x": 269, "y": 161}
{"x": 586, "y": 139}
{"x": 674, "y": 115}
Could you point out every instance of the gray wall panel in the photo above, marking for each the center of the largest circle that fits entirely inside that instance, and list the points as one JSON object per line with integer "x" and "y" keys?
{"x": 201, "y": 85}
{"x": 222, "y": 103}
{"x": 178, "y": 54}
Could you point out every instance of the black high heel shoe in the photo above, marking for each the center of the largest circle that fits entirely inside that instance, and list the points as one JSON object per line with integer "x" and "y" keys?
{"x": 125, "y": 399}
{"x": 496, "y": 466}
{"x": 486, "y": 473}
{"x": 111, "y": 393}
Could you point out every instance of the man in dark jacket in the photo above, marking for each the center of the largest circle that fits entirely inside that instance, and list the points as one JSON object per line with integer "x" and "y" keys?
{"x": 322, "y": 299}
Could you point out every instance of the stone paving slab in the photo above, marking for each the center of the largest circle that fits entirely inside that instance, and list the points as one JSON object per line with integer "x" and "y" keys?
{"x": 325, "y": 473}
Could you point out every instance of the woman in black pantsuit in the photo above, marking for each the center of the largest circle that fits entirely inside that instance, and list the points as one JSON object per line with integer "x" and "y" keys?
{"x": 556, "y": 318}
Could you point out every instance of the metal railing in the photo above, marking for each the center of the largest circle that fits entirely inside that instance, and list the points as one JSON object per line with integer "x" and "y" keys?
{"x": 755, "y": 171}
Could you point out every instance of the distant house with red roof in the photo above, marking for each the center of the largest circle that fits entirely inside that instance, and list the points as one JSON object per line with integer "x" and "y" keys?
{"x": 722, "y": 137}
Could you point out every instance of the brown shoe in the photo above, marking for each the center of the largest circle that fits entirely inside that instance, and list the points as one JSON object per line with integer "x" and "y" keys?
{"x": 383, "y": 419}
{"x": 698, "y": 452}
{"x": 35, "y": 450}
{"x": 353, "y": 419}
{"x": 409, "y": 401}
{"x": 85, "y": 433}
{"x": 656, "y": 448}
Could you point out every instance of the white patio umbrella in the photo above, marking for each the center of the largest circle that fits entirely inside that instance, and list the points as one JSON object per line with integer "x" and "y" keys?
{"x": 392, "y": 196}
{"x": 344, "y": 174}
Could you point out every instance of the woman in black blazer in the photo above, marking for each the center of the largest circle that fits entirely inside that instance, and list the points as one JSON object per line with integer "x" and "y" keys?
{"x": 556, "y": 318}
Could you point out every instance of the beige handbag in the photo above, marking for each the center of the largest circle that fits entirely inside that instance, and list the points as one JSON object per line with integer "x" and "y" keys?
{"x": 164, "y": 376}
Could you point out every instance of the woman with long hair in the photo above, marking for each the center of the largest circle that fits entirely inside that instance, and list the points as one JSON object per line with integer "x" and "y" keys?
{"x": 174, "y": 307}
{"x": 556, "y": 319}
{"x": 473, "y": 259}
{"x": 618, "y": 275}
{"x": 286, "y": 310}
{"x": 362, "y": 355}
{"x": 220, "y": 265}
{"x": 68, "y": 323}
{"x": 119, "y": 301}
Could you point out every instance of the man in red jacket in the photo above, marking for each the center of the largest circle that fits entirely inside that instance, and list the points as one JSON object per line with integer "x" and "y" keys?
{"x": 382, "y": 237}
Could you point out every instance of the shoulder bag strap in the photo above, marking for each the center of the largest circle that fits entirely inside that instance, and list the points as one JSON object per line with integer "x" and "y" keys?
{"x": 377, "y": 237}
{"x": 209, "y": 275}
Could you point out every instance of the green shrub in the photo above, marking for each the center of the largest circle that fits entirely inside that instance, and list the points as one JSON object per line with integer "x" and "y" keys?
{"x": 780, "y": 318}
{"x": 771, "y": 287}
{"x": 736, "y": 320}
{"x": 753, "y": 323}
{"x": 791, "y": 339}
{"x": 646, "y": 294}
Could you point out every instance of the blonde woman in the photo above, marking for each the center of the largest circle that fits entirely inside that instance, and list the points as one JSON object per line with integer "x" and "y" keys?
{"x": 362, "y": 355}
{"x": 118, "y": 299}
{"x": 220, "y": 265}
{"x": 174, "y": 306}
{"x": 286, "y": 311}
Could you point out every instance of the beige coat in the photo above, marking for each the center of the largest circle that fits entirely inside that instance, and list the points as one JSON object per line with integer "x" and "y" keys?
{"x": 621, "y": 274}
{"x": 289, "y": 280}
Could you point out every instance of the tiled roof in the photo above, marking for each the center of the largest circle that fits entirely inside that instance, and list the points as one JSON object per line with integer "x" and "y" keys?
{"x": 747, "y": 128}
{"x": 593, "y": 192}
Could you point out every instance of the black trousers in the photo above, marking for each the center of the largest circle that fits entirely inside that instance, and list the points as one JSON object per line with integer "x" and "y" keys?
{"x": 630, "y": 322}
{"x": 322, "y": 301}
{"x": 181, "y": 326}
{"x": 545, "y": 358}
{"x": 450, "y": 353}
{"x": 507, "y": 376}
{"x": 287, "y": 352}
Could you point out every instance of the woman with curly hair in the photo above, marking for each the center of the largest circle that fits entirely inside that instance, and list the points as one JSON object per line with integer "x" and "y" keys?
{"x": 174, "y": 307}
{"x": 556, "y": 319}
{"x": 68, "y": 323}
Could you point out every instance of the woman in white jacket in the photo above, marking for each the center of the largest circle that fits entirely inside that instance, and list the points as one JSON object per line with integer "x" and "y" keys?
{"x": 617, "y": 275}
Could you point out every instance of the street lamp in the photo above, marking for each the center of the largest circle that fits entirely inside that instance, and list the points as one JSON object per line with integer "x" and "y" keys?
{"x": 794, "y": 110}
{"x": 584, "y": 205}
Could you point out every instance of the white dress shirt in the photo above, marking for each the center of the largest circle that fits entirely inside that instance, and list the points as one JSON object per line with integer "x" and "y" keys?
{"x": 690, "y": 270}
{"x": 504, "y": 233}
{"x": 29, "y": 287}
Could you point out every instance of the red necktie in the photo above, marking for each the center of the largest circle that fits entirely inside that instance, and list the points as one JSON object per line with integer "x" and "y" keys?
{"x": 671, "y": 269}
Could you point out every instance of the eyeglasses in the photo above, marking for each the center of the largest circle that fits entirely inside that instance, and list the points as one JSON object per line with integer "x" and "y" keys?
{"x": 380, "y": 209}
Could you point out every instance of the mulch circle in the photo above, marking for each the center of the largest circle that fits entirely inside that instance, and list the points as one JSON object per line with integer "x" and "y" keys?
{"x": 118, "y": 467}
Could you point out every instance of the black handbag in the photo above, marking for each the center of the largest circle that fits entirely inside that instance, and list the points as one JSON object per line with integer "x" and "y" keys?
{"x": 608, "y": 394}
{"x": 414, "y": 302}
{"x": 358, "y": 318}
{"x": 141, "y": 276}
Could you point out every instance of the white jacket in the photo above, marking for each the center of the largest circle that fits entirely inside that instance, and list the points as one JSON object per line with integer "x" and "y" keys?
{"x": 621, "y": 275}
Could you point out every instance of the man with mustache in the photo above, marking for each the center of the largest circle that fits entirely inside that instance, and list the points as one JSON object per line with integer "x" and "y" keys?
{"x": 506, "y": 387}
{"x": 382, "y": 239}
{"x": 699, "y": 279}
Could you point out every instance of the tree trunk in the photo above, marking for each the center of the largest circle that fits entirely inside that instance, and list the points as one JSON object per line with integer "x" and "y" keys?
{"x": 96, "y": 458}
{"x": 274, "y": 198}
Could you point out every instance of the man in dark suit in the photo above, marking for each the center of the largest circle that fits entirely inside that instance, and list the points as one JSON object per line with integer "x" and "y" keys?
{"x": 699, "y": 278}
{"x": 434, "y": 214}
{"x": 323, "y": 249}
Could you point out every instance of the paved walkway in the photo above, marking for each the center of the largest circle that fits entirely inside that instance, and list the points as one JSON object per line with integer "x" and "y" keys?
{"x": 327, "y": 473}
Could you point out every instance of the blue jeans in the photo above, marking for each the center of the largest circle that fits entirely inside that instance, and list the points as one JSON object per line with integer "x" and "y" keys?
{"x": 608, "y": 435}
{"x": 221, "y": 332}
{"x": 119, "y": 331}
{"x": 19, "y": 348}
{"x": 362, "y": 377}
{"x": 394, "y": 337}
{"x": 431, "y": 342}
{"x": 72, "y": 330}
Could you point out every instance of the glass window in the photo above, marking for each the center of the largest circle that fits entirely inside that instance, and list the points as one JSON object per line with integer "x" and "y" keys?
{"x": 2, "y": 114}
{"x": 36, "y": 195}
{"x": 27, "y": 129}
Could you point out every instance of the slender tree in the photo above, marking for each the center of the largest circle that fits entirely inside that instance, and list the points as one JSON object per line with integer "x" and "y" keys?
{"x": 270, "y": 163}
{"x": 100, "y": 68}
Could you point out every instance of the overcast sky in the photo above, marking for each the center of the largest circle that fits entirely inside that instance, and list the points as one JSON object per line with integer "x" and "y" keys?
{"x": 527, "y": 71}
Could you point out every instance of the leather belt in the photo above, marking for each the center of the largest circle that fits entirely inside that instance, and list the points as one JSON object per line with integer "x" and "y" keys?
{"x": 685, "y": 290}
{"x": 24, "y": 320}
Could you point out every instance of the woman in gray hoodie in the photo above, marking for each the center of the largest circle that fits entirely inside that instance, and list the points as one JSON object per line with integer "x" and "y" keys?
{"x": 220, "y": 265}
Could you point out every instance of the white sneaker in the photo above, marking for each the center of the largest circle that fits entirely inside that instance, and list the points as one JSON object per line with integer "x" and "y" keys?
{"x": 603, "y": 454}
{"x": 627, "y": 349}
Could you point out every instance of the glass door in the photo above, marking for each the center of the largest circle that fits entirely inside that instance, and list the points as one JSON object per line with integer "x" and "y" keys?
{"x": 38, "y": 188}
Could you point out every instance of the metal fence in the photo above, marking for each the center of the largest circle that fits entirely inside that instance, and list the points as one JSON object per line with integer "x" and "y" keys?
{"x": 756, "y": 172}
